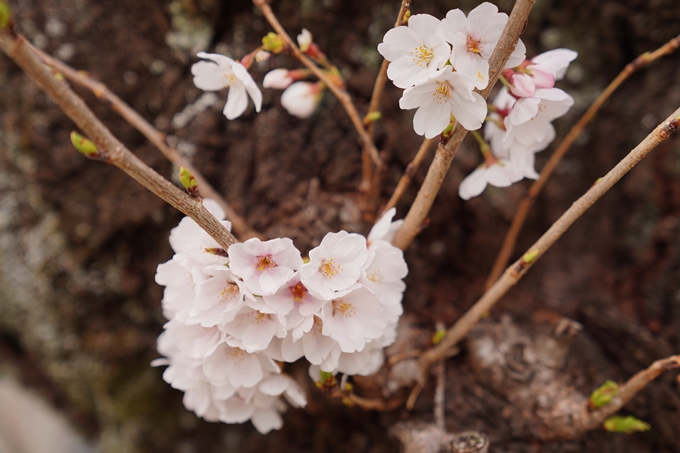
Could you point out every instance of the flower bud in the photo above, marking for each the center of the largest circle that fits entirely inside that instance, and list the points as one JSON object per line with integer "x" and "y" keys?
{"x": 279, "y": 79}
{"x": 304, "y": 40}
{"x": 5, "y": 15}
{"x": 301, "y": 98}
{"x": 273, "y": 43}
{"x": 188, "y": 181}
{"x": 84, "y": 145}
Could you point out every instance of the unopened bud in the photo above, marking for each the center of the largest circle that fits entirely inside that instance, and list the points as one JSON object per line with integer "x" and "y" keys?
{"x": 188, "y": 181}
{"x": 529, "y": 257}
{"x": 5, "y": 15}
{"x": 407, "y": 16}
{"x": 304, "y": 40}
{"x": 372, "y": 117}
{"x": 603, "y": 395}
{"x": 626, "y": 425}
{"x": 84, "y": 145}
{"x": 273, "y": 43}
{"x": 438, "y": 336}
{"x": 262, "y": 55}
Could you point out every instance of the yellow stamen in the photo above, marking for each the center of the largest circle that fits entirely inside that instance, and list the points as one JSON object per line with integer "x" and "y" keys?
{"x": 422, "y": 55}
{"x": 329, "y": 269}
{"x": 299, "y": 292}
{"x": 264, "y": 263}
{"x": 474, "y": 45}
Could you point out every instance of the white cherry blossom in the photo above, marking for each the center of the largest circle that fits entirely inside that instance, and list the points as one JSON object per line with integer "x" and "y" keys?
{"x": 264, "y": 266}
{"x": 301, "y": 98}
{"x": 414, "y": 50}
{"x": 474, "y": 39}
{"x": 278, "y": 78}
{"x": 335, "y": 265}
{"x": 223, "y": 72}
{"x": 440, "y": 95}
{"x": 499, "y": 174}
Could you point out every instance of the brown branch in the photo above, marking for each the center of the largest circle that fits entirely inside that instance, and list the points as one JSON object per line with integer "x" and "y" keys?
{"x": 407, "y": 177}
{"x": 339, "y": 93}
{"x": 369, "y": 404}
{"x": 374, "y": 105}
{"x": 517, "y": 270}
{"x": 157, "y": 138}
{"x": 528, "y": 201}
{"x": 630, "y": 388}
{"x": 110, "y": 149}
{"x": 445, "y": 152}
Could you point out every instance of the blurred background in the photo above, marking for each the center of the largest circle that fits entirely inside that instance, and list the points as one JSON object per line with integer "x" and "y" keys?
{"x": 80, "y": 241}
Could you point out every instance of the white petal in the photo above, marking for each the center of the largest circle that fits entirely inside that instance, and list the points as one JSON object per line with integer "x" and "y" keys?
{"x": 237, "y": 102}
{"x": 473, "y": 184}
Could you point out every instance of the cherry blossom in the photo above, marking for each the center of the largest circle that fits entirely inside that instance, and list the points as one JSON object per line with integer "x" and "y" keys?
{"x": 223, "y": 72}
{"x": 335, "y": 265}
{"x": 264, "y": 266}
{"x": 414, "y": 50}
{"x": 301, "y": 98}
{"x": 440, "y": 95}
{"x": 278, "y": 78}
{"x": 499, "y": 174}
{"x": 474, "y": 39}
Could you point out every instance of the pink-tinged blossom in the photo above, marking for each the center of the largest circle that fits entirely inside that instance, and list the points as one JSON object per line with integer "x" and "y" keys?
{"x": 301, "y": 98}
{"x": 440, "y": 95}
{"x": 278, "y": 78}
{"x": 236, "y": 367}
{"x": 318, "y": 348}
{"x": 264, "y": 266}
{"x": 304, "y": 40}
{"x": 335, "y": 265}
{"x": 354, "y": 319}
{"x": 556, "y": 61}
{"x": 294, "y": 301}
{"x": 224, "y": 72}
{"x": 218, "y": 299}
{"x": 474, "y": 39}
{"x": 252, "y": 330}
{"x": 414, "y": 50}
{"x": 363, "y": 363}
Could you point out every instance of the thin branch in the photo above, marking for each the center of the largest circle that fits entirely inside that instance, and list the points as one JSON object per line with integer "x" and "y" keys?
{"x": 339, "y": 93}
{"x": 111, "y": 150}
{"x": 528, "y": 201}
{"x": 374, "y": 105}
{"x": 369, "y": 404}
{"x": 517, "y": 270}
{"x": 416, "y": 216}
{"x": 157, "y": 138}
{"x": 630, "y": 388}
{"x": 407, "y": 177}
{"x": 439, "y": 394}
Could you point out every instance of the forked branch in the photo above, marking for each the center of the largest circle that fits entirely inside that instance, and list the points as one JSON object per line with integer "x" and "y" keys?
{"x": 111, "y": 150}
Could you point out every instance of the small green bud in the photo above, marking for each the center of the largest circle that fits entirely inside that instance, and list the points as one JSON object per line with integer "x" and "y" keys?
{"x": 188, "y": 181}
{"x": 407, "y": 16}
{"x": 273, "y": 43}
{"x": 438, "y": 336}
{"x": 603, "y": 395}
{"x": 626, "y": 425}
{"x": 528, "y": 257}
{"x": 348, "y": 387}
{"x": 372, "y": 117}
{"x": 5, "y": 15}
{"x": 84, "y": 145}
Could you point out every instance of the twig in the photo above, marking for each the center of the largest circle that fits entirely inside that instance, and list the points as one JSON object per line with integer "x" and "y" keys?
{"x": 517, "y": 270}
{"x": 413, "y": 396}
{"x": 157, "y": 138}
{"x": 369, "y": 404}
{"x": 445, "y": 152}
{"x": 528, "y": 201}
{"x": 631, "y": 388}
{"x": 407, "y": 177}
{"x": 339, "y": 93}
{"x": 374, "y": 105}
{"x": 111, "y": 150}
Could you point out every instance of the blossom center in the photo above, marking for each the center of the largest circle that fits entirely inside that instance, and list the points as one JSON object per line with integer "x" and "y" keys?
{"x": 298, "y": 292}
{"x": 265, "y": 262}
{"x": 342, "y": 308}
{"x": 229, "y": 292}
{"x": 231, "y": 79}
{"x": 443, "y": 92}
{"x": 474, "y": 45}
{"x": 422, "y": 55}
{"x": 329, "y": 269}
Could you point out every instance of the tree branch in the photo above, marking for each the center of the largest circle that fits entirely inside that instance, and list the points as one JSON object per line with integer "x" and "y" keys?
{"x": 407, "y": 177}
{"x": 112, "y": 151}
{"x": 445, "y": 152}
{"x": 630, "y": 388}
{"x": 528, "y": 201}
{"x": 517, "y": 270}
{"x": 157, "y": 138}
{"x": 339, "y": 93}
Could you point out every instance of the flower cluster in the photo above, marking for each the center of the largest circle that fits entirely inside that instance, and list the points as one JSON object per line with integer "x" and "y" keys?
{"x": 440, "y": 62}
{"x": 234, "y": 314}
{"x": 520, "y": 122}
